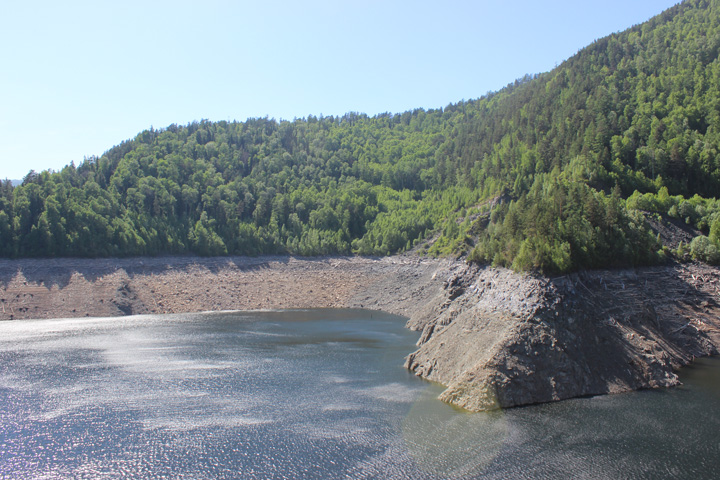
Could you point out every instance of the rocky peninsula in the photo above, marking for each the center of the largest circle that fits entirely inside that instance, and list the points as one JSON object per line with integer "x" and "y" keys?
{"x": 493, "y": 337}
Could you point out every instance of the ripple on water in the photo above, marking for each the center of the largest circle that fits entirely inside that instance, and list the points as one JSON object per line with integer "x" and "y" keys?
{"x": 307, "y": 395}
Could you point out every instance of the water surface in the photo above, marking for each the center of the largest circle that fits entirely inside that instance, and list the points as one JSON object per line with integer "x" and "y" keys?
{"x": 308, "y": 394}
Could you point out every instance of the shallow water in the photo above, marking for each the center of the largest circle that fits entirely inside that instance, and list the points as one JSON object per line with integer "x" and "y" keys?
{"x": 308, "y": 394}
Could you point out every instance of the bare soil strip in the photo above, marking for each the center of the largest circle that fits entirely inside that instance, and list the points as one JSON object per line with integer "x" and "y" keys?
{"x": 493, "y": 337}
{"x": 59, "y": 288}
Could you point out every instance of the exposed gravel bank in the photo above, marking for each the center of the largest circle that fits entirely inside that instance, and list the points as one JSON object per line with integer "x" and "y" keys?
{"x": 493, "y": 337}
{"x": 56, "y": 288}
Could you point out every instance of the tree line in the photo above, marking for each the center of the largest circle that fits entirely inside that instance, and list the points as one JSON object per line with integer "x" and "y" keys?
{"x": 634, "y": 114}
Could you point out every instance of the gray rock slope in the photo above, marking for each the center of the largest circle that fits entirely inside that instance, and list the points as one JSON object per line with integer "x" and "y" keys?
{"x": 499, "y": 339}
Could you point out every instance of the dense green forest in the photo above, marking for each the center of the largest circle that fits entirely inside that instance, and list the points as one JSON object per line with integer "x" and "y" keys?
{"x": 557, "y": 171}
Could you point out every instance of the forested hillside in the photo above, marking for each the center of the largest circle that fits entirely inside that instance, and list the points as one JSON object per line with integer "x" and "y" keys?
{"x": 557, "y": 171}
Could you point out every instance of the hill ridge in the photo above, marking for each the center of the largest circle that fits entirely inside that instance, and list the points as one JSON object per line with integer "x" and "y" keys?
{"x": 636, "y": 111}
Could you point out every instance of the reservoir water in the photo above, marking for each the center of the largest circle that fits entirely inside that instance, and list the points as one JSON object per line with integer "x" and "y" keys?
{"x": 309, "y": 394}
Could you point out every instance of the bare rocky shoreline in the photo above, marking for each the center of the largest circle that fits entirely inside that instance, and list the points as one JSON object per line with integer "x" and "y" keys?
{"x": 493, "y": 337}
{"x": 55, "y": 288}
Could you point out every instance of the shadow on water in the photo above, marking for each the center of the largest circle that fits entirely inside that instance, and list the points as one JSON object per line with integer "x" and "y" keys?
{"x": 649, "y": 434}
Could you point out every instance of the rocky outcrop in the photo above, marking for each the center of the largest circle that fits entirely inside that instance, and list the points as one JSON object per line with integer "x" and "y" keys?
{"x": 502, "y": 339}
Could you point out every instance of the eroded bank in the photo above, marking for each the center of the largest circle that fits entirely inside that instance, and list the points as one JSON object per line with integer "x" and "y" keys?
{"x": 493, "y": 337}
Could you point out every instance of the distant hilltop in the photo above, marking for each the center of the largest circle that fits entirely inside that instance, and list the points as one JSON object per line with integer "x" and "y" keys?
{"x": 594, "y": 164}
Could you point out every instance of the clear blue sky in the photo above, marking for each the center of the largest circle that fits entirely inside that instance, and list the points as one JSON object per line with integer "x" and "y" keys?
{"x": 78, "y": 77}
